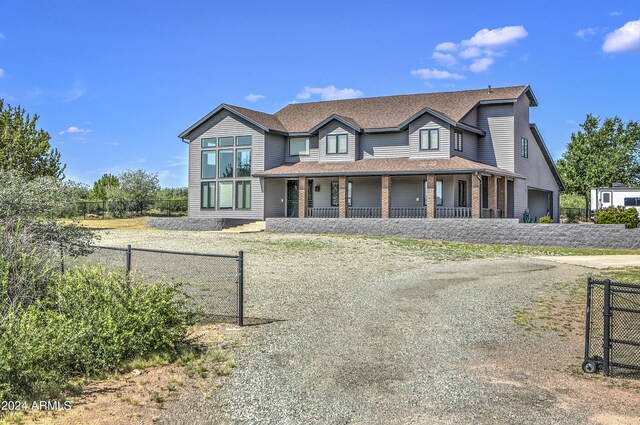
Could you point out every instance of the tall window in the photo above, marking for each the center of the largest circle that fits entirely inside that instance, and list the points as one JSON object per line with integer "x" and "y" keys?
{"x": 337, "y": 143}
{"x": 524, "y": 147}
{"x": 299, "y": 147}
{"x": 243, "y": 162}
{"x": 243, "y": 195}
{"x": 429, "y": 139}
{"x": 462, "y": 193}
{"x": 335, "y": 194}
{"x": 208, "y": 195}
{"x": 208, "y": 163}
{"x": 225, "y": 163}
{"x": 458, "y": 141}
{"x": 225, "y": 195}
{"x": 310, "y": 194}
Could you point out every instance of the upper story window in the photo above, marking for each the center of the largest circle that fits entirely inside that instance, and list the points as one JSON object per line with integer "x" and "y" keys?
{"x": 429, "y": 139}
{"x": 457, "y": 145}
{"x": 225, "y": 163}
{"x": 524, "y": 147}
{"x": 299, "y": 146}
{"x": 337, "y": 143}
{"x": 208, "y": 142}
{"x": 208, "y": 159}
{"x": 225, "y": 141}
{"x": 243, "y": 141}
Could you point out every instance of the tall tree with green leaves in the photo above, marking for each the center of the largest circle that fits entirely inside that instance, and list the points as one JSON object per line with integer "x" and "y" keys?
{"x": 101, "y": 186}
{"x": 25, "y": 149}
{"x": 601, "y": 153}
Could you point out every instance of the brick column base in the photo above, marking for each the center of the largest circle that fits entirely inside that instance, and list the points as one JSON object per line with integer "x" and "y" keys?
{"x": 302, "y": 197}
{"x": 385, "y": 204}
{"x": 475, "y": 196}
{"x": 430, "y": 195}
{"x": 343, "y": 196}
{"x": 493, "y": 194}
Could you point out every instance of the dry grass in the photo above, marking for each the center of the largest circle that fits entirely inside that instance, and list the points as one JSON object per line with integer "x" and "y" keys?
{"x": 136, "y": 223}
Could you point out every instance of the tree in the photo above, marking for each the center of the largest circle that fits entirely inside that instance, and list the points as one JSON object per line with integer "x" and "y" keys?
{"x": 140, "y": 187}
{"x": 599, "y": 155}
{"x": 24, "y": 148}
{"x": 102, "y": 185}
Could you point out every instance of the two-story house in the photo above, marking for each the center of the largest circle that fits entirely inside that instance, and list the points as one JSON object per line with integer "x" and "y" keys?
{"x": 463, "y": 154}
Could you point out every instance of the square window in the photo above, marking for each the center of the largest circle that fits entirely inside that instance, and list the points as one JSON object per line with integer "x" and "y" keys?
{"x": 337, "y": 143}
{"x": 208, "y": 142}
{"x": 299, "y": 147}
{"x": 429, "y": 139}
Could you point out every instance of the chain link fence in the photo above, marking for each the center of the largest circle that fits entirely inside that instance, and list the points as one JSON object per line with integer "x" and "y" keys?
{"x": 214, "y": 283}
{"x": 612, "y": 338}
{"x": 126, "y": 208}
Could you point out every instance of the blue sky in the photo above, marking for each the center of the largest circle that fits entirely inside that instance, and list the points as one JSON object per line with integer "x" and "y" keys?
{"x": 115, "y": 82}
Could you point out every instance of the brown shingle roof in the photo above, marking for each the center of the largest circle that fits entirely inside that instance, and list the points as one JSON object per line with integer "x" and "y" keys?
{"x": 394, "y": 166}
{"x": 267, "y": 120}
{"x": 389, "y": 111}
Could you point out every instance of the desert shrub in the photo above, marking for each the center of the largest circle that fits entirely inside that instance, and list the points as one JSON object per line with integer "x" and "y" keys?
{"x": 545, "y": 219}
{"x": 617, "y": 215}
{"x": 88, "y": 321}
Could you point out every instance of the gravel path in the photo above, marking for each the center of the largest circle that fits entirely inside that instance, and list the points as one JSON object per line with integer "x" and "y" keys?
{"x": 369, "y": 334}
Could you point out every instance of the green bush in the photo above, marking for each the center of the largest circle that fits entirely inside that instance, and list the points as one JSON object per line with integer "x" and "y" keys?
{"x": 617, "y": 215}
{"x": 86, "y": 322}
{"x": 545, "y": 219}
{"x": 573, "y": 217}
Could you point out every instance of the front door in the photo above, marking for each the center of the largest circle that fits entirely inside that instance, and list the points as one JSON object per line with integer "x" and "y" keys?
{"x": 292, "y": 198}
{"x": 606, "y": 199}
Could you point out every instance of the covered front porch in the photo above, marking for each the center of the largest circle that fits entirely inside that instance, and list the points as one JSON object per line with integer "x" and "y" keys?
{"x": 464, "y": 195}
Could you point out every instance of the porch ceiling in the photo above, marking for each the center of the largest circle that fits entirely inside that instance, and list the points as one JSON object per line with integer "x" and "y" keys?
{"x": 387, "y": 166}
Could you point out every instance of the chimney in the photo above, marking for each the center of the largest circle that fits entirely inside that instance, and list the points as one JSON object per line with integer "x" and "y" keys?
{"x": 490, "y": 91}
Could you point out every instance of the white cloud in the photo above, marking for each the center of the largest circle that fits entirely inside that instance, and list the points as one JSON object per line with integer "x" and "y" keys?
{"x": 74, "y": 130}
{"x": 585, "y": 32}
{"x": 470, "y": 52}
{"x": 75, "y": 93}
{"x": 447, "y": 59}
{"x": 252, "y": 97}
{"x": 1, "y": 72}
{"x": 624, "y": 39}
{"x": 436, "y": 74}
{"x": 329, "y": 93}
{"x": 615, "y": 13}
{"x": 481, "y": 64}
{"x": 447, "y": 46}
{"x": 496, "y": 37}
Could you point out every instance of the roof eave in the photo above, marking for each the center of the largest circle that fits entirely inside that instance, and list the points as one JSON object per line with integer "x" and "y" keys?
{"x": 387, "y": 172}
{"x": 331, "y": 118}
{"x": 211, "y": 114}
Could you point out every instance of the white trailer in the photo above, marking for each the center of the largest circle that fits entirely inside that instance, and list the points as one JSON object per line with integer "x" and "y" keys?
{"x": 616, "y": 196}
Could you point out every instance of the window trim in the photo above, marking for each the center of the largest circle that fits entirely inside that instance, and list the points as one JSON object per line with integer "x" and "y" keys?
{"x": 303, "y": 154}
{"x": 233, "y": 141}
{"x": 215, "y": 163}
{"x": 457, "y": 133}
{"x": 337, "y": 136}
{"x": 236, "y": 198}
{"x": 524, "y": 147}
{"x": 462, "y": 184}
{"x": 429, "y": 139}
{"x": 208, "y": 184}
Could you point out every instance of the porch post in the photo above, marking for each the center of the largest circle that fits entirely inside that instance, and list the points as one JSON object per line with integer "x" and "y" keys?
{"x": 302, "y": 197}
{"x": 343, "y": 196}
{"x": 493, "y": 194}
{"x": 386, "y": 197}
{"x": 502, "y": 196}
{"x": 475, "y": 196}
{"x": 431, "y": 196}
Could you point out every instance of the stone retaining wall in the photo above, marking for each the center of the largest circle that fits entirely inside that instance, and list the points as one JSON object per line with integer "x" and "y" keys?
{"x": 493, "y": 231}
{"x": 202, "y": 224}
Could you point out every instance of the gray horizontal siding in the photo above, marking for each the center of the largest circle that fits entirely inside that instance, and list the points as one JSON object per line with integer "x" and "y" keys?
{"x": 313, "y": 152}
{"x": 336, "y": 127}
{"x": 496, "y": 147}
{"x": 424, "y": 122}
{"x": 226, "y": 124}
{"x": 384, "y": 145}
{"x": 469, "y": 146}
{"x": 274, "y": 150}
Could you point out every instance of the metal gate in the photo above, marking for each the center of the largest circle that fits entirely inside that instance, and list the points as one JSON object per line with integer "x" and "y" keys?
{"x": 612, "y": 337}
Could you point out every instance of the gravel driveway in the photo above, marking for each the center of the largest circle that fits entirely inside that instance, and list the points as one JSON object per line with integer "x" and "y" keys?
{"x": 368, "y": 333}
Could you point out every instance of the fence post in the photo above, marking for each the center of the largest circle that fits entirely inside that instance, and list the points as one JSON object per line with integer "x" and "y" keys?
{"x": 240, "y": 288}
{"x": 606, "y": 345}
{"x": 128, "y": 260}
{"x": 588, "y": 316}
{"x": 61, "y": 258}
